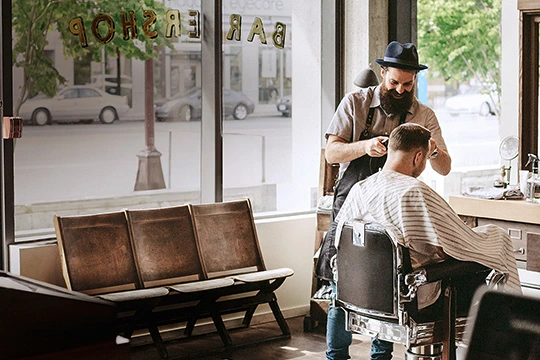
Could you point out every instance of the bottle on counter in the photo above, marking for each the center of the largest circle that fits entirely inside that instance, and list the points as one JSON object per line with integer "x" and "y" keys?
{"x": 533, "y": 184}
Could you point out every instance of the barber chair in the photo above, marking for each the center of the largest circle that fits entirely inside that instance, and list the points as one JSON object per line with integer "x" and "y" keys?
{"x": 377, "y": 289}
{"x": 504, "y": 325}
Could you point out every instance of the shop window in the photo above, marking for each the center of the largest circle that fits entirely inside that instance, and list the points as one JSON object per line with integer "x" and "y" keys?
{"x": 119, "y": 153}
{"x": 463, "y": 90}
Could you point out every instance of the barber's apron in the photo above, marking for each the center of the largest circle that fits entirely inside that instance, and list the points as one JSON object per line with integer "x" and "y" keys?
{"x": 358, "y": 169}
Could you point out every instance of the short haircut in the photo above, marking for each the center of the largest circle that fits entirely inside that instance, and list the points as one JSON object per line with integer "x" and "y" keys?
{"x": 408, "y": 137}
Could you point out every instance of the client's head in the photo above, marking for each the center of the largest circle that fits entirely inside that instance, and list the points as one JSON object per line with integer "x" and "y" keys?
{"x": 408, "y": 149}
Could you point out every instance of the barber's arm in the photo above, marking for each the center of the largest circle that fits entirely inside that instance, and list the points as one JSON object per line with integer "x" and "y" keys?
{"x": 442, "y": 162}
{"x": 340, "y": 151}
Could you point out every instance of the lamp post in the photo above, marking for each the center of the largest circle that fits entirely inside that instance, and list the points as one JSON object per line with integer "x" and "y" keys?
{"x": 149, "y": 173}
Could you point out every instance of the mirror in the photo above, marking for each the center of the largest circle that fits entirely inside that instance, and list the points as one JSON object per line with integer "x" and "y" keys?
{"x": 508, "y": 150}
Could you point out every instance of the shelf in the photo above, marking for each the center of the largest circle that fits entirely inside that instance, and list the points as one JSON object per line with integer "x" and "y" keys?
{"x": 510, "y": 210}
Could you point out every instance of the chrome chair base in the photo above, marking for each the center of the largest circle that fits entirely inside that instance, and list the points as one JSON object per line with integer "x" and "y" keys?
{"x": 424, "y": 352}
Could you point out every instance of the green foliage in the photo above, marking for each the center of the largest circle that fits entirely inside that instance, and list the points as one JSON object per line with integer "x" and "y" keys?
{"x": 33, "y": 20}
{"x": 461, "y": 40}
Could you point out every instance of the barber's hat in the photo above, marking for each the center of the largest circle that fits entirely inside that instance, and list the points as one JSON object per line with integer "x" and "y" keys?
{"x": 401, "y": 56}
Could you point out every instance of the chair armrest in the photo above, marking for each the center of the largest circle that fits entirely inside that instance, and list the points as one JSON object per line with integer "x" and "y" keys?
{"x": 452, "y": 268}
{"x": 448, "y": 269}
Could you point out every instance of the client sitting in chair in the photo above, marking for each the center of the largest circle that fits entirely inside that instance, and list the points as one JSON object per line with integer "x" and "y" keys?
{"x": 416, "y": 217}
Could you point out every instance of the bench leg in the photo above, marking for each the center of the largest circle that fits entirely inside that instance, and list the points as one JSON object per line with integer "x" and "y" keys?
{"x": 190, "y": 326}
{"x": 279, "y": 317}
{"x": 145, "y": 315}
{"x": 127, "y": 334}
{"x": 188, "y": 331}
{"x": 249, "y": 315}
{"x": 138, "y": 317}
{"x": 158, "y": 341}
{"x": 219, "y": 324}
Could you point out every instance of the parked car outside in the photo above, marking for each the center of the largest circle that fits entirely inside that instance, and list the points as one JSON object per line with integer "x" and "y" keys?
{"x": 187, "y": 106}
{"x": 75, "y": 103}
{"x": 284, "y": 105}
{"x": 472, "y": 101}
{"x": 109, "y": 83}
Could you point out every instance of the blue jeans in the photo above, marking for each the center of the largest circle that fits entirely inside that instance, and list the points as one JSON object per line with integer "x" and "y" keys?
{"x": 381, "y": 350}
{"x": 338, "y": 339}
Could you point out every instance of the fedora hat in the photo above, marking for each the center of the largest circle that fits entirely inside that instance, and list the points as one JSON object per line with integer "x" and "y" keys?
{"x": 401, "y": 56}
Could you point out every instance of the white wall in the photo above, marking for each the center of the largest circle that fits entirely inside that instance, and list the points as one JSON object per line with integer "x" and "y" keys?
{"x": 365, "y": 37}
{"x": 509, "y": 118}
{"x": 289, "y": 242}
{"x": 510, "y": 69}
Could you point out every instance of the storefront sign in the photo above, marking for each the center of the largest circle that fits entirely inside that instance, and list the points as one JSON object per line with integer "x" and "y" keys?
{"x": 130, "y": 30}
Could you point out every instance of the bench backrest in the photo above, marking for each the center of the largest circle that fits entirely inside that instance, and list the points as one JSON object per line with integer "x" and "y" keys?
{"x": 227, "y": 238}
{"x": 96, "y": 253}
{"x": 165, "y": 246}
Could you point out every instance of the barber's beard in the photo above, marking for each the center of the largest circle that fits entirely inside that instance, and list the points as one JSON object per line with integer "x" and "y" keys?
{"x": 393, "y": 103}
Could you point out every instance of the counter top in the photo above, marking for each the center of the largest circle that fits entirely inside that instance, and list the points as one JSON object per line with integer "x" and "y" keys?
{"x": 511, "y": 210}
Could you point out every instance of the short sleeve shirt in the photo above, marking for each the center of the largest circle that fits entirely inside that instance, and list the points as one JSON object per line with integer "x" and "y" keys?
{"x": 349, "y": 120}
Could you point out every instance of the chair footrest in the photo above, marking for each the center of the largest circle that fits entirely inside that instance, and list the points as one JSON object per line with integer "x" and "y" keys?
{"x": 133, "y": 295}
{"x": 264, "y": 275}
{"x": 202, "y": 285}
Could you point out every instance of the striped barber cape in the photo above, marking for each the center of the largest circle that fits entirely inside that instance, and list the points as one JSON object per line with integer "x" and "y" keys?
{"x": 418, "y": 218}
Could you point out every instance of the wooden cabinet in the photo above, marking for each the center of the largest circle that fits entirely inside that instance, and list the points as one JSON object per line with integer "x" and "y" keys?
{"x": 518, "y": 232}
{"x": 520, "y": 218}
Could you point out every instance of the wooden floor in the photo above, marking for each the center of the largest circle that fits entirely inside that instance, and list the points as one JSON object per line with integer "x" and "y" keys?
{"x": 301, "y": 345}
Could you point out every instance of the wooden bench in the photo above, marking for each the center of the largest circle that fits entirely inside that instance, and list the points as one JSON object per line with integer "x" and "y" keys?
{"x": 97, "y": 259}
{"x": 172, "y": 264}
{"x": 230, "y": 247}
{"x": 167, "y": 254}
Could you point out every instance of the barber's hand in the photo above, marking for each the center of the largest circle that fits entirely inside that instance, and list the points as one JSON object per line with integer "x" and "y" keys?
{"x": 432, "y": 149}
{"x": 375, "y": 147}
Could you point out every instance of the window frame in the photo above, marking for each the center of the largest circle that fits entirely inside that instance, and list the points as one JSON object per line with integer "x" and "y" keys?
{"x": 7, "y": 189}
{"x": 528, "y": 94}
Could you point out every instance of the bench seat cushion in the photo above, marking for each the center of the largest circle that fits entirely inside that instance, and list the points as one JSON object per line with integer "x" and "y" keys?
{"x": 133, "y": 295}
{"x": 264, "y": 275}
{"x": 203, "y": 285}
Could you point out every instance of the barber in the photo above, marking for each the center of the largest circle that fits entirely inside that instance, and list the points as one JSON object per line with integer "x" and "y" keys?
{"x": 356, "y": 139}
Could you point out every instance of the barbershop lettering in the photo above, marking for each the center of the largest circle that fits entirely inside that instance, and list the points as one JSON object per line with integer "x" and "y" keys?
{"x": 103, "y": 27}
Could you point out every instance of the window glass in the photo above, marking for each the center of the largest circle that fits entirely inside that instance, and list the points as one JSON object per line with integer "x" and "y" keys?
{"x": 462, "y": 86}
{"x": 102, "y": 151}
{"x": 257, "y": 119}
{"x": 136, "y": 142}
